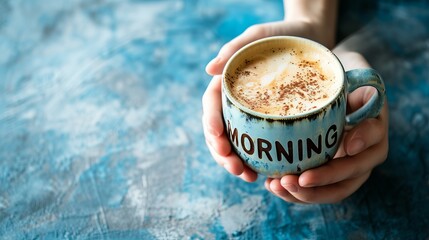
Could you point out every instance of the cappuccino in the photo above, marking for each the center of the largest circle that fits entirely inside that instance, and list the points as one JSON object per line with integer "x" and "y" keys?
{"x": 284, "y": 81}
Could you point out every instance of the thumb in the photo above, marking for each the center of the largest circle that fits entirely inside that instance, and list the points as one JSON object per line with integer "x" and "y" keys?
{"x": 253, "y": 33}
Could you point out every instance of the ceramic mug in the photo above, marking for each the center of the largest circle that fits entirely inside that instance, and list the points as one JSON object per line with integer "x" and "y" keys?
{"x": 275, "y": 145}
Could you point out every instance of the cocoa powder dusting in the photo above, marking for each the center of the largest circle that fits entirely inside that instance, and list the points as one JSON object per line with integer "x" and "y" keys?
{"x": 303, "y": 85}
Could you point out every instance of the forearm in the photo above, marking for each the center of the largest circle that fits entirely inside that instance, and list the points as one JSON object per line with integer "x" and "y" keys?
{"x": 321, "y": 14}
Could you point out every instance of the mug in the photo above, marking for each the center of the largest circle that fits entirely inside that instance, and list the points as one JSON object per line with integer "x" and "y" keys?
{"x": 275, "y": 145}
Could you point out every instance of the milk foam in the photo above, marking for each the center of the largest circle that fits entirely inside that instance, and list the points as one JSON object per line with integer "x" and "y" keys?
{"x": 284, "y": 82}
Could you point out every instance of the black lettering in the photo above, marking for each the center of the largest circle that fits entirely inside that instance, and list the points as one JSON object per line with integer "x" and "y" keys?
{"x": 312, "y": 147}
{"x": 300, "y": 151}
{"x": 265, "y": 149}
{"x": 234, "y": 135}
{"x": 333, "y": 136}
{"x": 251, "y": 148}
{"x": 282, "y": 152}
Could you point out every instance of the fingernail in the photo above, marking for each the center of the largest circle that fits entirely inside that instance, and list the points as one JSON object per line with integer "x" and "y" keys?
{"x": 356, "y": 146}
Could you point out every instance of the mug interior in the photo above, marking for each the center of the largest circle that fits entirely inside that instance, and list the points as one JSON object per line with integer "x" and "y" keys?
{"x": 309, "y": 48}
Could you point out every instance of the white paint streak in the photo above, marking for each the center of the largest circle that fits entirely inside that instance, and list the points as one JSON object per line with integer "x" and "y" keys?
{"x": 239, "y": 217}
{"x": 179, "y": 215}
{"x": 135, "y": 117}
{"x": 179, "y": 138}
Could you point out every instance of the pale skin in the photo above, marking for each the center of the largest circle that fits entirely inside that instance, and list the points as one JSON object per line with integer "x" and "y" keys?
{"x": 362, "y": 148}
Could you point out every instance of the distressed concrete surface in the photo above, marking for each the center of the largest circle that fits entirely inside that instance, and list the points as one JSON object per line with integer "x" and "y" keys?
{"x": 100, "y": 130}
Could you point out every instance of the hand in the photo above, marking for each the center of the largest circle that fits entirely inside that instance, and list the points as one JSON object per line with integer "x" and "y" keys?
{"x": 362, "y": 148}
{"x": 215, "y": 135}
{"x": 216, "y": 138}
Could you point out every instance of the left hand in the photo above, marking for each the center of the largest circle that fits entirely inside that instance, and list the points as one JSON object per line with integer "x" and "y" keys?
{"x": 362, "y": 148}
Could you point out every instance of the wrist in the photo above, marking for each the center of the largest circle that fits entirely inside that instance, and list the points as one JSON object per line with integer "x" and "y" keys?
{"x": 317, "y": 16}
{"x": 311, "y": 30}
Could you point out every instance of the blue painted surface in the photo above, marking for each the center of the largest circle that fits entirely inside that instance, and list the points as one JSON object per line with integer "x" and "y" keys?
{"x": 101, "y": 134}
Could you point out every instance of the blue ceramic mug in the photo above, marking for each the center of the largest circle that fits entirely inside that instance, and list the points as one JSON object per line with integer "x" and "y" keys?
{"x": 275, "y": 145}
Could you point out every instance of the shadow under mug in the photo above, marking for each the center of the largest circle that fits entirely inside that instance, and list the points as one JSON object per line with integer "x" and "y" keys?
{"x": 278, "y": 145}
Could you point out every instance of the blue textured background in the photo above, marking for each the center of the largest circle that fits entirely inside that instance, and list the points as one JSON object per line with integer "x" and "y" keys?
{"x": 100, "y": 130}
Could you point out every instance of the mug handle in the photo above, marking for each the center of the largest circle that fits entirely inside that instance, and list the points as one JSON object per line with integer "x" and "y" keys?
{"x": 365, "y": 77}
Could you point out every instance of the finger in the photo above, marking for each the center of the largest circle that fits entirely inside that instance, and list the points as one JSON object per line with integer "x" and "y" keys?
{"x": 220, "y": 144}
{"x": 248, "y": 174}
{"x": 212, "y": 107}
{"x": 341, "y": 152}
{"x": 275, "y": 187}
{"x": 326, "y": 194}
{"x": 267, "y": 184}
{"x": 370, "y": 131}
{"x": 253, "y": 33}
{"x": 359, "y": 97}
{"x": 364, "y": 135}
{"x": 232, "y": 163}
{"x": 212, "y": 118}
{"x": 340, "y": 169}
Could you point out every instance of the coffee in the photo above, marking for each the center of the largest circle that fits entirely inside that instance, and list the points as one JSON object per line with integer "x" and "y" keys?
{"x": 284, "y": 81}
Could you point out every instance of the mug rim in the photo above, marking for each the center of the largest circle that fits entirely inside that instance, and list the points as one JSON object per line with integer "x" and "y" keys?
{"x": 240, "y": 106}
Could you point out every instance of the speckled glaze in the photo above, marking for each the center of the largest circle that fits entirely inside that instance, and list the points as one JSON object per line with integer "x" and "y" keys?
{"x": 274, "y": 145}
